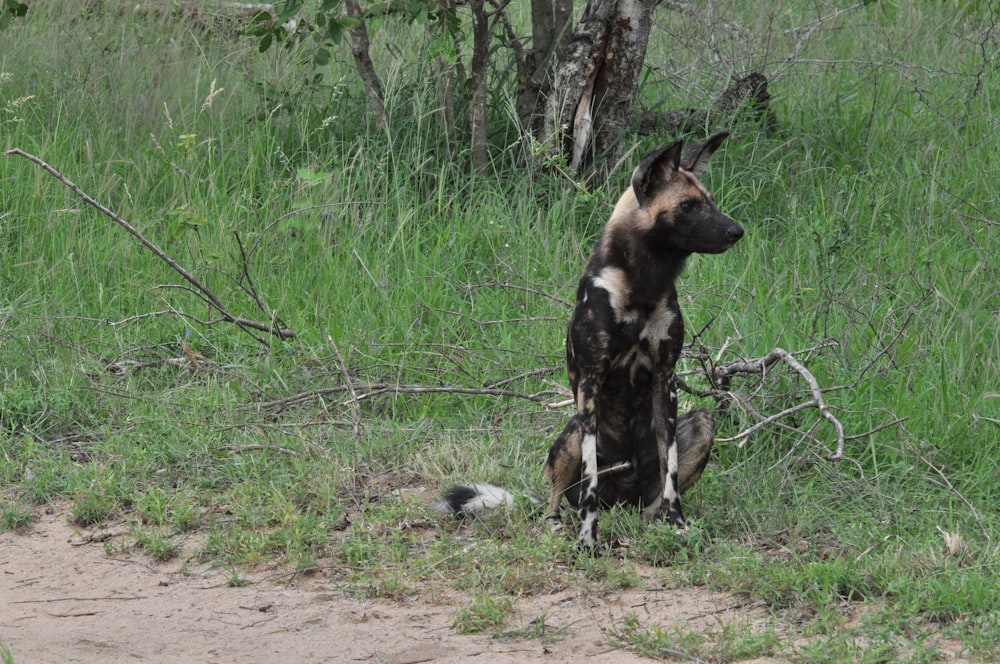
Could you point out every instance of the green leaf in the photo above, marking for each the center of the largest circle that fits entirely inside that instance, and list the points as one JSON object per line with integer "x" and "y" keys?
{"x": 16, "y": 8}
{"x": 334, "y": 31}
{"x": 265, "y": 42}
{"x": 288, "y": 9}
{"x": 321, "y": 57}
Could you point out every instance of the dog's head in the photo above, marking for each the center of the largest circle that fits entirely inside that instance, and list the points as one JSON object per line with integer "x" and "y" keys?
{"x": 679, "y": 213}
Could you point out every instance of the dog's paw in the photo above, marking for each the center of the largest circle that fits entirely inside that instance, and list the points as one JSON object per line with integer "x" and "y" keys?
{"x": 585, "y": 548}
{"x": 671, "y": 513}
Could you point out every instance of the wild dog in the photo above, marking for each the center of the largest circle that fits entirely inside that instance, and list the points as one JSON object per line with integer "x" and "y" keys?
{"x": 624, "y": 339}
{"x": 625, "y": 444}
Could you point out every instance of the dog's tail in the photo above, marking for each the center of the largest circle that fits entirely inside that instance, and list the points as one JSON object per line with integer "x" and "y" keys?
{"x": 475, "y": 500}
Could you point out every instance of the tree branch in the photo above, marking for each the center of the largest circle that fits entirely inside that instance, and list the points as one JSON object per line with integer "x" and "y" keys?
{"x": 201, "y": 289}
{"x": 363, "y": 62}
{"x": 722, "y": 373}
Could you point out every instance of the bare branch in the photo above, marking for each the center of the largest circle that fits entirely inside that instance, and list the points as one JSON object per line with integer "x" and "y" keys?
{"x": 203, "y": 290}
{"x": 807, "y": 33}
{"x": 249, "y": 288}
{"x": 350, "y": 386}
{"x": 239, "y": 449}
{"x": 720, "y": 376}
{"x": 360, "y": 392}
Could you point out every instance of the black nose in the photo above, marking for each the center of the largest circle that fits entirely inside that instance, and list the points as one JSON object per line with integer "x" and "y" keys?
{"x": 735, "y": 232}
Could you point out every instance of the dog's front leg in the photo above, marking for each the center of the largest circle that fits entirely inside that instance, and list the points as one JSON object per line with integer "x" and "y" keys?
{"x": 586, "y": 394}
{"x": 665, "y": 423}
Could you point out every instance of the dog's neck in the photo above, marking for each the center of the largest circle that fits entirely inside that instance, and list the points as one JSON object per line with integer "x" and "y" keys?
{"x": 651, "y": 271}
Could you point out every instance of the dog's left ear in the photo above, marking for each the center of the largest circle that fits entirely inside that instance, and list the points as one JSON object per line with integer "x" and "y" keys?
{"x": 654, "y": 171}
{"x": 695, "y": 157}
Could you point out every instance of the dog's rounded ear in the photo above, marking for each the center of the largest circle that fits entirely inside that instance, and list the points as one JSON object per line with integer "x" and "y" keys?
{"x": 695, "y": 157}
{"x": 655, "y": 170}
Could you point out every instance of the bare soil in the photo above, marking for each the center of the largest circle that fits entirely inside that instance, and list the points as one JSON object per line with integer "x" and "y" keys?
{"x": 64, "y": 599}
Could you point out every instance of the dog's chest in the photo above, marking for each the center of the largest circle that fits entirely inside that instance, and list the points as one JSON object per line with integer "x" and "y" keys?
{"x": 639, "y": 335}
{"x": 646, "y": 338}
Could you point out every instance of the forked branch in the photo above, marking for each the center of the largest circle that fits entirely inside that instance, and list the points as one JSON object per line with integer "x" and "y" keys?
{"x": 201, "y": 289}
{"x": 722, "y": 373}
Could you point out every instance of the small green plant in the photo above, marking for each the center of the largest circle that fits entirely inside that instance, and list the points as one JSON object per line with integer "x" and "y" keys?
{"x": 157, "y": 547}
{"x": 742, "y": 641}
{"x": 485, "y": 613}
{"x": 236, "y": 580}
{"x": 653, "y": 640}
{"x": 538, "y": 628}
{"x": 6, "y": 655}
{"x": 14, "y": 515}
{"x": 92, "y": 506}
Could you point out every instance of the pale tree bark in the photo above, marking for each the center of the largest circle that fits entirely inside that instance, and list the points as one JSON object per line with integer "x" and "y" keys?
{"x": 596, "y": 78}
{"x": 549, "y": 22}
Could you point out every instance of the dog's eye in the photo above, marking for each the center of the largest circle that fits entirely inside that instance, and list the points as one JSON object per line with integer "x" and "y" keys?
{"x": 689, "y": 204}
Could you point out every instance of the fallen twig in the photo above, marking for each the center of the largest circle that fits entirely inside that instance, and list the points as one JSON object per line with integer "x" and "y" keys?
{"x": 239, "y": 449}
{"x": 350, "y": 387}
{"x": 362, "y": 391}
{"x": 116, "y": 598}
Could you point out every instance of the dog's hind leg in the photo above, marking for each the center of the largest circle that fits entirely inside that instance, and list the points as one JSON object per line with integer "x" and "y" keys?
{"x": 563, "y": 469}
{"x": 695, "y": 432}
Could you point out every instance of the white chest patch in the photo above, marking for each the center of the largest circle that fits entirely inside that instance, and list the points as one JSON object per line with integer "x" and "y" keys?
{"x": 657, "y": 327}
{"x": 614, "y": 281}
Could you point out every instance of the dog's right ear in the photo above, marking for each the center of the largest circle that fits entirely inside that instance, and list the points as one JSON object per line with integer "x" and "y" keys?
{"x": 654, "y": 171}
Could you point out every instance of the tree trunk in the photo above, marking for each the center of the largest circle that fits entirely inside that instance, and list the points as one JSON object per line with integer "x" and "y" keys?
{"x": 363, "y": 61}
{"x": 595, "y": 83}
{"x": 549, "y": 22}
{"x": 480, "y": 62}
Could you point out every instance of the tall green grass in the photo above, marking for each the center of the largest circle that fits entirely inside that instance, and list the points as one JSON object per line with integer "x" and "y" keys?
{"x": 869, "y": 224}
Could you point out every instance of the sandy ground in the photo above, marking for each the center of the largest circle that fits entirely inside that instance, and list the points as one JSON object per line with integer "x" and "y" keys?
{"x": 64, "y": 599}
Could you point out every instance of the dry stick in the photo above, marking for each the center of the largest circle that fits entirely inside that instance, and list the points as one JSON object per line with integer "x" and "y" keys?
{"x": 204, "y": 291}
{"x": 759, "y": 366}
{"x": 350, "y": 386}
{"x": 384, "y": 388}
{"x": 239, "y": 449}
{"x": 250, "y": 288}
{"x": 79, "y": 599}
{"x": 375, "y": 389}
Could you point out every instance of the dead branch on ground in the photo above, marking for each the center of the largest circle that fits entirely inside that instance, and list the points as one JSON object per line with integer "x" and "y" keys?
{"x": 718, "y": 376}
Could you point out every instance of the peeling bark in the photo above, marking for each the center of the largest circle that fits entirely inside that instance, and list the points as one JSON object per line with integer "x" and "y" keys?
{"x": 596, "y": 78}
{"x": 550, "y": 20}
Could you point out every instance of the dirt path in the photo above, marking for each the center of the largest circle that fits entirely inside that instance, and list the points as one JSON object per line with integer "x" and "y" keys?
{"x": 63, "y": 599}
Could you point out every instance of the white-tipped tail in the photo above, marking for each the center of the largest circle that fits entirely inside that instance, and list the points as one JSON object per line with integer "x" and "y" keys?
{"x": 474, "y": 499}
